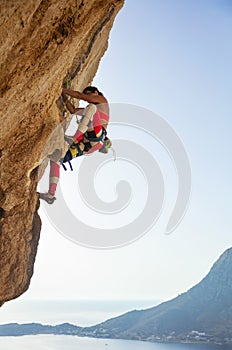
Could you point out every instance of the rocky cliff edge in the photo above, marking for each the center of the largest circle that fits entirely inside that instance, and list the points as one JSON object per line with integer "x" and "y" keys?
{"x": 41, "y": 41}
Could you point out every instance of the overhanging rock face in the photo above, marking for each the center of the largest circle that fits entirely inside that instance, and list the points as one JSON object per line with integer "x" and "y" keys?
{"x": 41, "y": 40}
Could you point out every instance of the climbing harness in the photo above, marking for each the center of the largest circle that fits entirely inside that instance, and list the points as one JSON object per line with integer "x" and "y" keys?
{"x": 88, "y": 136}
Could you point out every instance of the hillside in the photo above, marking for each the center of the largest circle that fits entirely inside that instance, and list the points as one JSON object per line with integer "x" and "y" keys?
{"x": 205, "y": 312}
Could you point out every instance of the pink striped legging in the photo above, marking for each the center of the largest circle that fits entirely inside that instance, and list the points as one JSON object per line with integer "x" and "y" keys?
{"x": 53, "y": 177}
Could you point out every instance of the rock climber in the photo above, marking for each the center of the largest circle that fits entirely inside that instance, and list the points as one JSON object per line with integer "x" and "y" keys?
{"x": 89, "y": 136}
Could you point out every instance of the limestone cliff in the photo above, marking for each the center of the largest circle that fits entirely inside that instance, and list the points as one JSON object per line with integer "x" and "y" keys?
{"x": 41, "y": 40}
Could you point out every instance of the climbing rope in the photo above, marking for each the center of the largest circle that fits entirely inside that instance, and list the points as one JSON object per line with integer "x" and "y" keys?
{"x": 114, "y": 153}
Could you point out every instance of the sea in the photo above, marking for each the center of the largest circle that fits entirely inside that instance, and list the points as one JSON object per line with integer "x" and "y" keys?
{"x": 80, "y": 313}
{"x": 66, "y": 342}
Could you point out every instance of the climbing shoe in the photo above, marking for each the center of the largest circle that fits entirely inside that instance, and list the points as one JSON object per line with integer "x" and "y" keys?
{"x": 47, "y": 198}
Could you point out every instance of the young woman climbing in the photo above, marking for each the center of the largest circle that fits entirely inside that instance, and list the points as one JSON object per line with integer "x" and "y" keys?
{"x": 89, "y": 136}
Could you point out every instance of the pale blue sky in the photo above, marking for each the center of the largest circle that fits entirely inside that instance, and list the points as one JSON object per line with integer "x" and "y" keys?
{"x": 174, "y": 58}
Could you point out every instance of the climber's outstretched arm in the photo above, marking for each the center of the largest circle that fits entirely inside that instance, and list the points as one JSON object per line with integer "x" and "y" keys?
{"x": 89, "y": 98}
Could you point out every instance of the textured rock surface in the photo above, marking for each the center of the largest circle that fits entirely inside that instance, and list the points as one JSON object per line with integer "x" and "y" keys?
{"x": 41, "y": 40}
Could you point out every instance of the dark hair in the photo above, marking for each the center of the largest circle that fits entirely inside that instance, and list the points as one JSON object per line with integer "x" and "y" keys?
{"x": 92, "y": 89}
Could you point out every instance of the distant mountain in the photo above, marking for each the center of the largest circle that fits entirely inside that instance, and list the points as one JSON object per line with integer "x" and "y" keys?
{"x": 203, "y": 314}
{"x": 15, "y": 329}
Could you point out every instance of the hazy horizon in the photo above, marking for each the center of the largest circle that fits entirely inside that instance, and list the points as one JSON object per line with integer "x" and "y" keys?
{"x": 79, "y": 312}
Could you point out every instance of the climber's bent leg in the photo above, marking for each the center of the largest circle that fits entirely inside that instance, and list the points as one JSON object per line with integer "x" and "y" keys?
{"x": 81, "y": 145}
{"x": 88, "y": 114}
